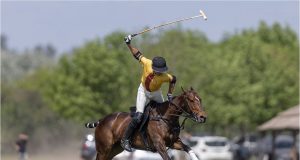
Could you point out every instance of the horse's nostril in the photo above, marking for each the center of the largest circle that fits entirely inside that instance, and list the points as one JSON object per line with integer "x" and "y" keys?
{"x": 201, "y": 119}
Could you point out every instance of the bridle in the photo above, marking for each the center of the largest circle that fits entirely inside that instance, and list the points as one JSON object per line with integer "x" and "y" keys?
{"x": 182, "y": 112}
{"x": 186, "y": 115}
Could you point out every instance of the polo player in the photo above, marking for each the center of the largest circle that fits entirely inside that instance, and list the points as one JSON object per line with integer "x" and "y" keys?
{"x": 153, "y": 76}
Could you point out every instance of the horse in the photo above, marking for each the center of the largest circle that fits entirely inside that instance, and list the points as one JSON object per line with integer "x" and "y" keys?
{"x": 162, "y": 131}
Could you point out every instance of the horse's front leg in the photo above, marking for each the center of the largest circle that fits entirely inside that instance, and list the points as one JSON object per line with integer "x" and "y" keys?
{"x": 162, "y": 150}
{"x": 179, "y": 145}
{"x": 156, "y": 133}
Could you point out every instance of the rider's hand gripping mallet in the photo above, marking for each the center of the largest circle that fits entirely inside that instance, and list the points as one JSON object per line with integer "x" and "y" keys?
{"x": 202, "y": 14}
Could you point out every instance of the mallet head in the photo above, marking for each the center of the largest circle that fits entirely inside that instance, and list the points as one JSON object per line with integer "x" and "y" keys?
{"x": 203, "y": 15}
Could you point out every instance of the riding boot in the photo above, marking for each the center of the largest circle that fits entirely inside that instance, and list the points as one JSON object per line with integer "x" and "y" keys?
{"x": 125, "y": 142}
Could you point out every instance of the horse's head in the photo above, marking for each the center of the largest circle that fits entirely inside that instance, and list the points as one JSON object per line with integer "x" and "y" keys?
{"x": 192, "y": 105}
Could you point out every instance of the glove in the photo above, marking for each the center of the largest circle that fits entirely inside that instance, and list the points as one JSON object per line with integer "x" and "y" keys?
{"x": 170, "y": 97}
{"x": 127, "y": 39}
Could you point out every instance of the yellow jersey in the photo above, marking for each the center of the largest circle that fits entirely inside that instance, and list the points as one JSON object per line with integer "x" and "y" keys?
{"x": 152, "y": 82}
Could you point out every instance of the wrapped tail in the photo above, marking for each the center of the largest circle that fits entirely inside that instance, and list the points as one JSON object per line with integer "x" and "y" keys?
{"x": 92, "y": 125}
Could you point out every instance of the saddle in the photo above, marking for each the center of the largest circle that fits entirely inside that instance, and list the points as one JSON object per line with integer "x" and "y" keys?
{"x": 145, "y": 120}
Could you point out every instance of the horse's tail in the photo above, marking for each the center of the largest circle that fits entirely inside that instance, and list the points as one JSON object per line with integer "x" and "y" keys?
{"x": 92, "y": 124}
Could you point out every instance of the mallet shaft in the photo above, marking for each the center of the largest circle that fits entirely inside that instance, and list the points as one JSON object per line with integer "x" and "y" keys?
{"x": 168, "y": 23}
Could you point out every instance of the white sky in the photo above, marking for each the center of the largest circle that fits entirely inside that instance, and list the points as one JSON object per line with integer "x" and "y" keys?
{"x": 69, "y": 24}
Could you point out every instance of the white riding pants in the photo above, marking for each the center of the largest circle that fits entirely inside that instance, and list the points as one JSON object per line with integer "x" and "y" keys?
{"x": 144, "y": 97}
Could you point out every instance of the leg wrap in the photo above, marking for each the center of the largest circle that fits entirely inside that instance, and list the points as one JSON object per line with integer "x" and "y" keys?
{"x": 193, "y": 155}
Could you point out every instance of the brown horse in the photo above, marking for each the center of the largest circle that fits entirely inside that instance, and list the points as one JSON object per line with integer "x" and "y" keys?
{"x": 162, "y": 132}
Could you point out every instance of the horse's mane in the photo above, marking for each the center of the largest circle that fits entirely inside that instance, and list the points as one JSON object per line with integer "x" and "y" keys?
{"x": 161, "y": 108}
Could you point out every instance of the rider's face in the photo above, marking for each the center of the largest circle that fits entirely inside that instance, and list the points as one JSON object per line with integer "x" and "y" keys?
{"x": 158, "y": 73}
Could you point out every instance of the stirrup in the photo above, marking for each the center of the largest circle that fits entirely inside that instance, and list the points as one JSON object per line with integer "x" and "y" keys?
{"x": 126, "y": 145}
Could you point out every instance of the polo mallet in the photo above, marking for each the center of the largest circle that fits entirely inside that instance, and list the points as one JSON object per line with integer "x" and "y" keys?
{"x": 202, "y": 14}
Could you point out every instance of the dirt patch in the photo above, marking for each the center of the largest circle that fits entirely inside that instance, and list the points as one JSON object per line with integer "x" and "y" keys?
{"x": 68, "y": 152}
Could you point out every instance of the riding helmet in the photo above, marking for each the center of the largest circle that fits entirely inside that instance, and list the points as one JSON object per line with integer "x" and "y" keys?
{"x": 159, "y": 64}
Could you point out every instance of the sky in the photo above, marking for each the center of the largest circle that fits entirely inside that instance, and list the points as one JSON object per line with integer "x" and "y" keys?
{"x": 69, "y": 24}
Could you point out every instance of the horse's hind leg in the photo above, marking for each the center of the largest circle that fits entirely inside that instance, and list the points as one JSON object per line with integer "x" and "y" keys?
{"x": 104, "y": 141}
{"x": 108, "y": 155}
{"x": 102, "y": 157}
{"x": 116, "y": 149}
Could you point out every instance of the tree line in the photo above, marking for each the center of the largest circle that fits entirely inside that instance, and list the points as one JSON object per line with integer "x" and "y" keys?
{"x": 243, "y": 80}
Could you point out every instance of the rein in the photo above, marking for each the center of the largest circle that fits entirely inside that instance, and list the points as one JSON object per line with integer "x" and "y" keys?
{"x": 186, "y": 115}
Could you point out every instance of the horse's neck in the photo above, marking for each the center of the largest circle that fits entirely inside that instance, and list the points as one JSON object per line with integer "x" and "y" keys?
{"x": 172, "y": 111}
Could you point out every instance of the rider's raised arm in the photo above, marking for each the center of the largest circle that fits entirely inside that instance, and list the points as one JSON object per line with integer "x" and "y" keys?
{"x": 135, "y": 52}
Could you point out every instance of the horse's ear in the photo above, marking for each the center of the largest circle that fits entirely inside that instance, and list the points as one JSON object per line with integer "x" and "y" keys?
{"x": 183, "y": 90}
{"x": 192, "y": 88}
